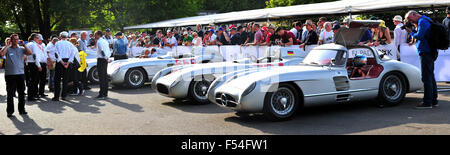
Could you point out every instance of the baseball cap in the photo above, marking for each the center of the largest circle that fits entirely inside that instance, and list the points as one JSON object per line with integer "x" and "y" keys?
{"x": 118, "y": 34}
{"x": 64, "y": 34}
{"x": 220, "y": 29}
{"x": 185, "y": 33}
{"x": 232, "y": 26}
{"x": 398, "y": 18}
{"x": 168, "y": 31}
{"x": 336, "y": 27}
{"x": 265, "y": 28}
{"x": 188, "y": 28}
{"x": 212, "y": 31}
{"x": 40, "y": 37}
{"x": 108, "y": 30}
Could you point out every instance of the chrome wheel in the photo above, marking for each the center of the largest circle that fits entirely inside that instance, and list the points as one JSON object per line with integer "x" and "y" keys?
{"x": 201, "y": 89}
{"x": 393, "y": 87}
{"x": 136, "y": 77}
{"x": 282, "y": 101}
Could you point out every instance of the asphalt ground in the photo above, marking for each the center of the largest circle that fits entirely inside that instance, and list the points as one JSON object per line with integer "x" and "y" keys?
{"x": 144, "y": 112}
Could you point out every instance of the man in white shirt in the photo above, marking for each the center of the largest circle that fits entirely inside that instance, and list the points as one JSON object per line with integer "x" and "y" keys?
{"x": 109, "y": 38}
{"x": 51, "y": 51}
{"x": 64, "y": 58}
{"x": 34, "y": 67}
{"x": 42, "y": 58}
{"x": 297, "y": 30}
{"x": 171, "y": 40}
{"x": 400, "y": 36}
{"x": 103, "y": 54}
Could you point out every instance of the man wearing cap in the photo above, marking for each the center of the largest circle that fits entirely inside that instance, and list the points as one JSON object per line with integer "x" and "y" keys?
{"x": 222, "y": 39}
{"x": 400, "y": 35}
{"x": 108, "y": 37}
{"x": 187, "y": 39}
{"x": 235, "y": 36}
{"x": 64, "y": 58}
{"x": 171, "y": 40}
{"x": 42, "y": 58}
{"x": 103, "y": 54}
{"x": 120, "y": 48}
{"x": 34, "y": 66}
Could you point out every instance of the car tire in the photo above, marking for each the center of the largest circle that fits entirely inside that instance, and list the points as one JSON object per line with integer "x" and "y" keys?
{"x": 93, "y": 76}
{"x": 198, "y": 89}
{"x": 281, "y": 104}
{"x": 392, "y": 89}
{"x": 135, "y": 78}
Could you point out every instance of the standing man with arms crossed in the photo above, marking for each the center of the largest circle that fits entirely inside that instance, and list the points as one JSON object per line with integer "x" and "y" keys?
{"x": 64, "y": 56}
{"x": 428, "y": 56}
{"x": 14, "y": 73}
{"x": 103, "y": 54}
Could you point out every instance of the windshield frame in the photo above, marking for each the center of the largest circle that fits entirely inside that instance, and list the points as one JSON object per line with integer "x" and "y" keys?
{"x": 345, "y": 52}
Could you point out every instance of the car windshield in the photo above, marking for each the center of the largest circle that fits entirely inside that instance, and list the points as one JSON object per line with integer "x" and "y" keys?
{"x": 325, "y": 58}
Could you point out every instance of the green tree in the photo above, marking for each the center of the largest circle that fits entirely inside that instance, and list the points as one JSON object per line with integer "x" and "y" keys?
{"x": 278, "y": 3}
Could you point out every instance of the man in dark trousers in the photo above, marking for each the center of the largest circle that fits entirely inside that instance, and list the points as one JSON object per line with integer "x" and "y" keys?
{"x": 446, "y": 21}
{"x": 65, "y": 56}
{"x": 14, "y": 73}
{"x": 103, "y": 54}
{"x": 428, "y": 56}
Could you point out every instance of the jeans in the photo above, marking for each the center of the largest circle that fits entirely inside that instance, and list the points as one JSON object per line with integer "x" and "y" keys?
{"x": 13, "y": 83}
{"x": 427, "y": 60}
{"x": 51, "y": 81}
{"x": 102, "y": 65}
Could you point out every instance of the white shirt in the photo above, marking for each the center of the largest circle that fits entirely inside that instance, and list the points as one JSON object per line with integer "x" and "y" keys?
{"x": 64, "y": 50}
{"x": 154, "y": 55}
{"x": 294, "y": 30}
{"x": 400, "y": 36}
{"x": 51, "y": 50}
{"x": 42, "y": 53}
{"x": 326, "y": 37}
{"x": 197, "y": 41}
{"x": 31, "y": 58}
{"x": 172, "y": 40}
{"x": 103, "y": 45}
{"x": 212, "y": 38}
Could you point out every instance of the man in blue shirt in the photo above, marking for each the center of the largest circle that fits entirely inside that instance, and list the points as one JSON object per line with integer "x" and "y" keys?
{"x": 428, "y": 56}
{"x": 120, "y": 47}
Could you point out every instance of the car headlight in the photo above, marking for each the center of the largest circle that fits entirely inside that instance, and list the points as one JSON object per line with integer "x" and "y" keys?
{"x": 249, "y": 89}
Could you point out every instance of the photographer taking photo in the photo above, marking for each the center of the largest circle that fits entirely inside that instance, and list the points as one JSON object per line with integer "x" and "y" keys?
{"x": 428, "y": 56}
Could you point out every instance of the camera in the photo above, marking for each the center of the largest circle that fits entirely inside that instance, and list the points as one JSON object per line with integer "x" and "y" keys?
{"x": 407, "y": 25}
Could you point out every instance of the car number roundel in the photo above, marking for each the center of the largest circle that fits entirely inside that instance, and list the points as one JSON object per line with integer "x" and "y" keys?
{"x": 185, "y": 62}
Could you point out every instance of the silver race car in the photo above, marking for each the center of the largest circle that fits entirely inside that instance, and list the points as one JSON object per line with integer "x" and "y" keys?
{"x": 194, "y": 81}
{"x": 133, "y": 73}
{"x": 333, "y": 73}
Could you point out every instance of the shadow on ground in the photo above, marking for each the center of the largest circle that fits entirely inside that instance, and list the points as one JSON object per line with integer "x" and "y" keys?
{"x": 189, "y": 106}
{"x": 348, "y": 118}
{"x": 29, "y": 126}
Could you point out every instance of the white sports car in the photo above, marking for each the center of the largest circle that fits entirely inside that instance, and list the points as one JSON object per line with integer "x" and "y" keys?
{"x": 194, "y": 81}
{"x": 333, "y": 73}
{"x": 135, "y": 72}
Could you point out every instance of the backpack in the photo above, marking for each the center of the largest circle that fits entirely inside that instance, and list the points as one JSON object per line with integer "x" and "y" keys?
{"x": 439, "y": 36}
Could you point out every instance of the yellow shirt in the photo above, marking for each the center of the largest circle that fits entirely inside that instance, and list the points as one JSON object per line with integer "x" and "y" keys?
{"x": 83, "y": 63}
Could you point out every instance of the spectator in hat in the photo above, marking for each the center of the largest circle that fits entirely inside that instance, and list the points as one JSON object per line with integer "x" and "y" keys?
{"x": 120, "y": 47}
{"x": 266, "y": 36}
{"x": 235, "y": 36}
{"x": 381, "y": 35}
{"x": 400, "y": 35}
{"x": 336, "y": 28}
{"x": 222, "y": 39}
{"x": 311, "y": 36}
{"x": 108, "y": 37}
{"x": 187, "y": 39}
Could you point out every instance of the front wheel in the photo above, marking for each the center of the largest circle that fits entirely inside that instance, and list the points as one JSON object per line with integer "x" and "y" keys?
{"x": 93, "y": 76}
{"x": 282, "y": 104}
{"x": 392, "y": 89}
{"x": 135, "y": 78}
{"x": 198, "y": 89}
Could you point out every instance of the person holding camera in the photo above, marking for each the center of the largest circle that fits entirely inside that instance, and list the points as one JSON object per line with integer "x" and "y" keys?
{"x": 428, "y": 56}
{"x": 14, "y": 73}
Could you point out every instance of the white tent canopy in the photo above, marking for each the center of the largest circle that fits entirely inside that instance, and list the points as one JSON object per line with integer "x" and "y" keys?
{"x": 337, "y": 7}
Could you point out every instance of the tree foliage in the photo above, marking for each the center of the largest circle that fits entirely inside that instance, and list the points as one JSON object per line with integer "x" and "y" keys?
{"x": 278, "y": 3}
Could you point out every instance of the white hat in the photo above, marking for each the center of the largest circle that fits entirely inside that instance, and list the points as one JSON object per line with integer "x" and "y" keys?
{"x": 168, "y": 31}
{"x": 185, "y": 33}
{"x": 398, "y": 18}
{"x": 64, "y": 34}
{"x": 40, "y": 37}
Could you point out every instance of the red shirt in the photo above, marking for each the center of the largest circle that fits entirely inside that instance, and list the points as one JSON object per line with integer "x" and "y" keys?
{"x": 268, "y": 37}
{"x": 287, "y": 35}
